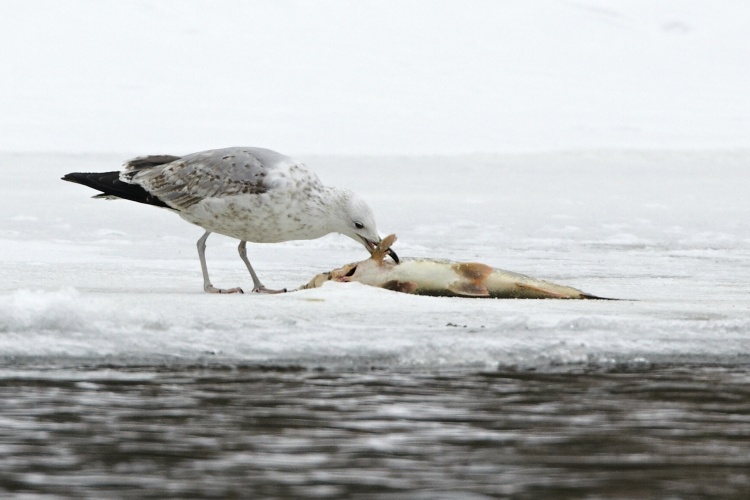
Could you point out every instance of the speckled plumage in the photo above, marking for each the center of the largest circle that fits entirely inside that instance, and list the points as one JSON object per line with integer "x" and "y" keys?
{"x": 252, "y": 194}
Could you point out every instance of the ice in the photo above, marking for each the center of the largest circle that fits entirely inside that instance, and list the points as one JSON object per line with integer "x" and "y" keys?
{"x": 97, "y": 282}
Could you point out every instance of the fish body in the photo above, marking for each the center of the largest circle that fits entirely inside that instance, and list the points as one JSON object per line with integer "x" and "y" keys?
{"x": 438, "y": 277}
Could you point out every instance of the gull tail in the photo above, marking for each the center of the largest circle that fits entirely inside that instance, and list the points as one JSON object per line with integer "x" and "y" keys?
{"x": 111, "y": 186}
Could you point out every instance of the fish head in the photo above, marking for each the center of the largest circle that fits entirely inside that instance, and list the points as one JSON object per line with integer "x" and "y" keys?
{"x": 372, "y": 268}
{"x": 370, "y": 271}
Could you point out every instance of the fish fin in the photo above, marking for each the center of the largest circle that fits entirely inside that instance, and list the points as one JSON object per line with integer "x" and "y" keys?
{"x": 472, "y": 271}
{"x": 542, "y": 292}
{"x": 400, "y": 286}
{"x": 469, "y": 289}
{"x": 382, "y": 249}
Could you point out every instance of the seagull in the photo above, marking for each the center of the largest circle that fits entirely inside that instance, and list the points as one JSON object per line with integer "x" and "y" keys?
{"x": 250, "y": 194}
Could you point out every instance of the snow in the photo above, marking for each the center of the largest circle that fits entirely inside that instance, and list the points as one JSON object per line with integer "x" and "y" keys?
{"x": 91, "y": 281}
{"x": 599, "y": 144}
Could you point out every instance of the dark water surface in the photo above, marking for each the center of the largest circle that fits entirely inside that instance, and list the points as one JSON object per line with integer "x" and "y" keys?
{"x": 250, "y": 432}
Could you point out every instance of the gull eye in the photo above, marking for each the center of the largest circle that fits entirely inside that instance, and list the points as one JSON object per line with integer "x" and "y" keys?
{"x": 359, "y": 225}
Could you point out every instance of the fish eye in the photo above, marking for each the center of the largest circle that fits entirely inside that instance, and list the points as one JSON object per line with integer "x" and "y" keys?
{"x": 359, "y": 225}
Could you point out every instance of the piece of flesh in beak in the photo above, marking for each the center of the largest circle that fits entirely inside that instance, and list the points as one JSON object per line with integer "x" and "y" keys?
{"x": 384, "y": 247}
{"x": 376, "y": 249}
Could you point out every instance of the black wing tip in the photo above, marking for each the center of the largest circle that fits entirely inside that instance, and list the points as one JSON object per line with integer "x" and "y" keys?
{"x": 83, "y": 178}
{"x": 110, "y": 186}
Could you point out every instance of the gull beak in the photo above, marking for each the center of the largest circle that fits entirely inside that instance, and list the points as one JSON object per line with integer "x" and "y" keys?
{"x": 393, "y": 255}
{"x": 369, "y": 245}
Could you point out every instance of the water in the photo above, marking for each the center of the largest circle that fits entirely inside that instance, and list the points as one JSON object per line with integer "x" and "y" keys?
{"x": 272, "y": 432}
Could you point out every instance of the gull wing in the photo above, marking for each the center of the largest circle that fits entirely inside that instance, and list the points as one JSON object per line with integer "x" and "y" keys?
{"x": 187, "y": 180}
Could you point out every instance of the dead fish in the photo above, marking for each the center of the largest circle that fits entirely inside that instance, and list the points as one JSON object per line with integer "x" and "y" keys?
{"x": 446, "y": 278}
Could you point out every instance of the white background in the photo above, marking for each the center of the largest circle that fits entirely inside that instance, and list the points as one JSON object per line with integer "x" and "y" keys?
{"x": 373, "y": 77}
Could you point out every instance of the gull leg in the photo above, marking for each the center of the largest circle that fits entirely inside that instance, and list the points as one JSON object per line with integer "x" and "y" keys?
{"x": 257, "y": 285}
{"x": 207, "y": 286}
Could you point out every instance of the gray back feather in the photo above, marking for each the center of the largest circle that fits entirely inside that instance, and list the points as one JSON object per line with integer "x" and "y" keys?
{"x": 132, "y": 166}
{"x": 184, "y": 181}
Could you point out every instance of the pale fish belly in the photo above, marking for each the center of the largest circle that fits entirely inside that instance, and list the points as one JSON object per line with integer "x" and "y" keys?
{"x": 261, "y": 218}
{"x": 429, "y": 274}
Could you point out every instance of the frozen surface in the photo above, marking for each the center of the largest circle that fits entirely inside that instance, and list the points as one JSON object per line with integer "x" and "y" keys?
{"x": 601, "y": 144}
{"x": 112, "y": 282}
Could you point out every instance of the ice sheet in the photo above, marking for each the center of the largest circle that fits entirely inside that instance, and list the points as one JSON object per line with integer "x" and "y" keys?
{"x": 112, "y": 282}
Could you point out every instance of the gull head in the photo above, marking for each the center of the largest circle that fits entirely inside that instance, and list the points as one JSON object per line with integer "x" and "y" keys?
{"x": 356, "y": 221}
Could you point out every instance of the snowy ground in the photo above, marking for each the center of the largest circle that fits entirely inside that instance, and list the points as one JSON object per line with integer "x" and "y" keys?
{"x": 602, "y": 144}
{"x": 112, "y": 282}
